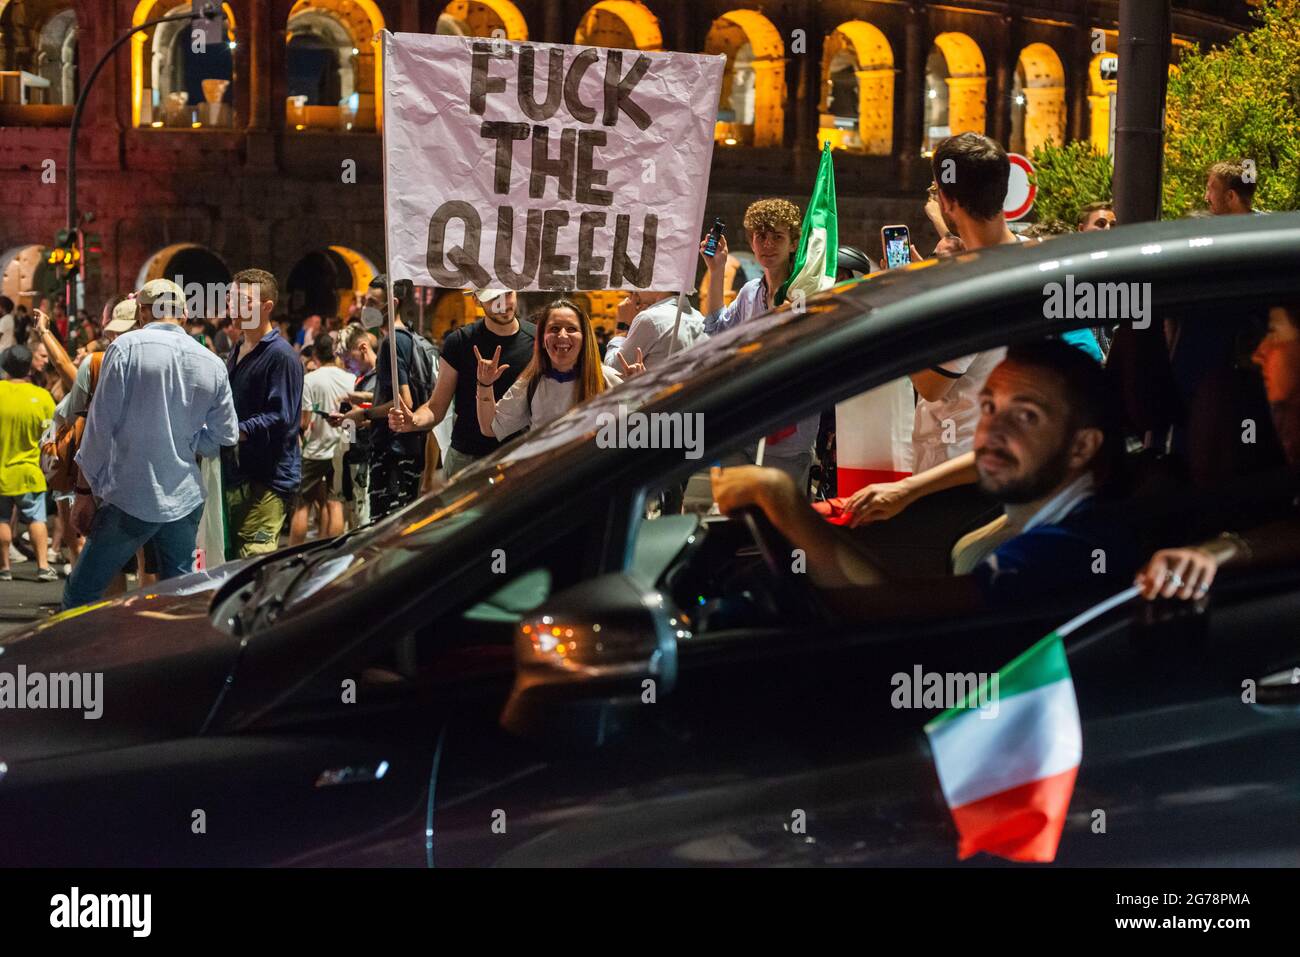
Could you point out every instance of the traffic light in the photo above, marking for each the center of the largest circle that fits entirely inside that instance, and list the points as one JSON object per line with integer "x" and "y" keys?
{"x": 65, "y": 255}
{"x": 92, "y": 256}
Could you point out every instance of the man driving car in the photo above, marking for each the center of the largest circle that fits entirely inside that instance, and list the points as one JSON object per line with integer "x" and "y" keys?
{"x": 1045, "y": 444}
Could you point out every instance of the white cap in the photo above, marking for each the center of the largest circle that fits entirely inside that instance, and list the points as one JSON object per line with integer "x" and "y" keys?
{"x": 485, "y": 296}
{"x": 161, "y": 299}
{"x": 124, "y": 316}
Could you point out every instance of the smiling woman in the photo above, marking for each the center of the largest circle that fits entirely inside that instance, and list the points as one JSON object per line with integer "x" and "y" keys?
{"x": 565, "y": 371}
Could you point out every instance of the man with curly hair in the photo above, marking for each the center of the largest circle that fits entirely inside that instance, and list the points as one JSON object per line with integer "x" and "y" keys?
{"x": 773, "y": 228}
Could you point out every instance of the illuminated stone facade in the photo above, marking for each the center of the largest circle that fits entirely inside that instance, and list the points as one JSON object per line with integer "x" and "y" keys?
{"x": 241, "y": 155}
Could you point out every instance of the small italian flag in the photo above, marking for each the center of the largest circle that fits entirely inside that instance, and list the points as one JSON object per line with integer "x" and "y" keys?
{"x": 818, "y": 255}
{"x": 1007, "y": 772}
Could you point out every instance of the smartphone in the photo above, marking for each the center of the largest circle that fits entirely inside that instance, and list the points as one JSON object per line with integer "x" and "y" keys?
{"x": 897, "y": 243}
{"x": 715, "y": 232}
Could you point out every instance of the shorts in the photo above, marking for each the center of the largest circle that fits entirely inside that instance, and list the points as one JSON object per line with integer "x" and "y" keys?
{"x": 318, "y": 474}
{"x": 30, "y": 505}
{"x": 255, "y": 516}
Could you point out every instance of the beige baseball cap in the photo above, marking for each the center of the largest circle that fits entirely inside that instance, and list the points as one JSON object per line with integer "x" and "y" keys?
{"x": 486, "y": 296}
{"x": 124, "y": 316}
{"x": 161, "y": 299}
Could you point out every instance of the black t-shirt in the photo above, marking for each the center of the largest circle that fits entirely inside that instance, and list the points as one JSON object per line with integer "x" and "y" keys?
{"x": 405, "y": 445}
{"x": 458, "y": 349}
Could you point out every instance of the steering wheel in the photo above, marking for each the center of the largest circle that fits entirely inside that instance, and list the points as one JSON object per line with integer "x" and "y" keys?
{"x": 796, "y": 598}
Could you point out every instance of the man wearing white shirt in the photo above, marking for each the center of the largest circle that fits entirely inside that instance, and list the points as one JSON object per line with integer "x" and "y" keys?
{"x": 971, "y": 174}
{"x": 651, "y": 331}
{"x": 323, "y": 390}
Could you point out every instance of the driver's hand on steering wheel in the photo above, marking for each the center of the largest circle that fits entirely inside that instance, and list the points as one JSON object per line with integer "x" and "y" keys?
{"x": 745, "y": 485}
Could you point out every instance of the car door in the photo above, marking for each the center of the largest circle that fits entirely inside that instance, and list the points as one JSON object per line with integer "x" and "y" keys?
{"x": 343, "y": 785}
{"x": 777, "y": 746}
{"x": 1191, "y": 733}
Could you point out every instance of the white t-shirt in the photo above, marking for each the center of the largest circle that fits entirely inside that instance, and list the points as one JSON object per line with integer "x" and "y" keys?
{"x": 322, "y": 391}
{"x": 945, "y": 429}
{"x": 6, "y": 330}
{"x": 551, "y": 400}
{"x": 955, "y": 416}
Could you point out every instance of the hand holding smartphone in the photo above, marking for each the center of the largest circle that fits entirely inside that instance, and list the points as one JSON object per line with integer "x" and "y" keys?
{"x": 897, "y": 245}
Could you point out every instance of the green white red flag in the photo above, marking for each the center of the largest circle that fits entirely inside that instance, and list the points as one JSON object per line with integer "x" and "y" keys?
{"x": 1008, "y": 773}
{"x": 817, "y": 257}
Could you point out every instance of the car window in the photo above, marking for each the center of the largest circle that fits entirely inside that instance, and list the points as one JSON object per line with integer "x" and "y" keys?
{"x": 875, "y": 436}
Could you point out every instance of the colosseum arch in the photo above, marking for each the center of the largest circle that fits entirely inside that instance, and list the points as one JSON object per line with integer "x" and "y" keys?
{"x": 22, "y": 274}
{"x": 623, "y": 24}
{"x": 198, "y": 270}
{"x": 483, "y": 18}
{"x": 335, "y": 71}
{"x": 325, "y": 280}
{"x": 956, "y": 89}
{"x": 173, "y": 86}
{"x": 751, "y": 109}
{"x": 1037, "y": 100}
{"x": 857, "y": 108}
{"x": 39, "y": 62}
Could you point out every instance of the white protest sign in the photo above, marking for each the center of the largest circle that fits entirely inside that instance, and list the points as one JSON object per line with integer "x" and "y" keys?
{"x": 544, "y": 166}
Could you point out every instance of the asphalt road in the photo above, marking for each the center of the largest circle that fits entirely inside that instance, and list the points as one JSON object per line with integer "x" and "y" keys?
{"x": 25, "y": 600}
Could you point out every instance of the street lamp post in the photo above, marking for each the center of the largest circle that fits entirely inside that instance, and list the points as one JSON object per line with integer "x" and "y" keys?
{"x": 208, "y": 12}
{"x": 1144, "y": 47}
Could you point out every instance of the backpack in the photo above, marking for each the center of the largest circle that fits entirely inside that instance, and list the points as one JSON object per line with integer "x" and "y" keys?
{"x": 59, "y": 449}
{"x": 424, "y": 369}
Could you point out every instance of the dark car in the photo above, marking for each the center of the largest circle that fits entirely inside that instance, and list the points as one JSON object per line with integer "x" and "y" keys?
{"x": 524, "y": 668}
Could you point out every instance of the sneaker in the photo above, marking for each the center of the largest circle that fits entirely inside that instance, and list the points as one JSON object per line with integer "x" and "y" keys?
{"x": 66, "y": 571}
{"x": 47, "y": 575}
{"x": 15, "y": 555}
{"x": 6, "y": 575}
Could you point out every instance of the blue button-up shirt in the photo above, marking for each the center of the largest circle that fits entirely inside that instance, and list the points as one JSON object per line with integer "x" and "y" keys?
{"x": 267, "y": 385}
{"x": 162, "y": 399}
{"x": 751, "y": 301}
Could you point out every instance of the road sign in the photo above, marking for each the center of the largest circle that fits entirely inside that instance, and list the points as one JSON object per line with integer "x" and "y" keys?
{"x": 1020, "y": 191}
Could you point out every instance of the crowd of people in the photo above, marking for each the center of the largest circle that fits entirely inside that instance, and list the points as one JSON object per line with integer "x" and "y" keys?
{"x": 162, "y": 441}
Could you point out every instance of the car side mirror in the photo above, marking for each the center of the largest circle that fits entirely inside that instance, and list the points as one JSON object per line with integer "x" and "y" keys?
{"x": 589, "y": 655}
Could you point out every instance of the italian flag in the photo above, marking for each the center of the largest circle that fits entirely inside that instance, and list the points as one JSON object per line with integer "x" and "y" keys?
{"x": 1007, "y": 772}
{"x": 818, "y": 255}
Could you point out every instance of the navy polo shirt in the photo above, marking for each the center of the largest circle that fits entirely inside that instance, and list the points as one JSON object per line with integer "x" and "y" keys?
{"x": 1080, "y": 552}
{"x": 267, "y": 388}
